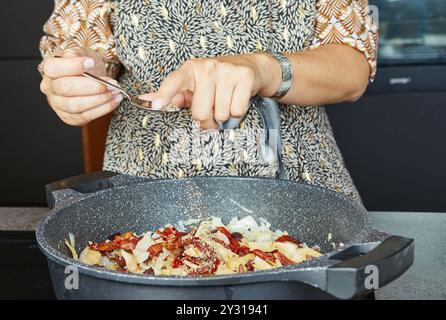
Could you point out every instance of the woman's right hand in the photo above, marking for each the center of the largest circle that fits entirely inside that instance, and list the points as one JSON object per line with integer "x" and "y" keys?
{"x": 78, "y": 100}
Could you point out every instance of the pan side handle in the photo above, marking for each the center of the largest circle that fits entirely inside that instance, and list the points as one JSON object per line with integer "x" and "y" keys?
{"x": 80, "y": 185}
{"x": 370, "y": 270}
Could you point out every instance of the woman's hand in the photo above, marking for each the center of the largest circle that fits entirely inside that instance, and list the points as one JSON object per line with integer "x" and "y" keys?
{"x": 215, "y": 88}
{"x": 76, "y": 99}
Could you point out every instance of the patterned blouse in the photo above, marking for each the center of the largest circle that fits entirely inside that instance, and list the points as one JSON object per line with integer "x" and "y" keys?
{"x": 144, "y": 40}
{"x": 89, "y": 23}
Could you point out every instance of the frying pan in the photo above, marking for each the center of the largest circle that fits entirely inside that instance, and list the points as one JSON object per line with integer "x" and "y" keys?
{"x": 94, "y": 206}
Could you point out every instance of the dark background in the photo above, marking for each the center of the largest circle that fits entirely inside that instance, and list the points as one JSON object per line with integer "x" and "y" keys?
{"x": 35, "y": 146}
{"x": 392, "y": 139}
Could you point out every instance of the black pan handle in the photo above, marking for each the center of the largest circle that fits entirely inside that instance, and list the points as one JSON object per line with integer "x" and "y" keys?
{"x": 387, "y": 261}
{"x": 85, "y": 183}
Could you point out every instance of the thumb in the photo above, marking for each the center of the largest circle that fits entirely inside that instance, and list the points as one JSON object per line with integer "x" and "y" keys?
{"x": 174, "y": 84}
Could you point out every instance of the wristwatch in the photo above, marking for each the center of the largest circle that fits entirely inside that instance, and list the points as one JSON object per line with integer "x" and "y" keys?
{"x": 287, "y": 75}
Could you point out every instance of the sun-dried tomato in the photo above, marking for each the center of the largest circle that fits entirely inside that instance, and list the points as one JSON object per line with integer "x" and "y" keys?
{"x": 221, "y": 242}
{"x": 112, "y": 236}
{"x": 104, "y": 246}
{"x": 125, "y": 241}
{"x": 237, "y": 236}
{"x": 287, "y": 238}
{"x": 249, "y": 265}
{"x": 118, "y": 259}
{"x": 194, "y": 260}
{"x": 267, "y": 256}
{"x": 241, "y": 269}
{"x": 128, "y": 236}
{"x": 170, "y": 232}
{"x": 215, "y": 265}
{"x": 186, "y": 242}
{"x": 243, "y": 251}
{"x": 176, "y": 263}
{"x": 155, "y": 249}
{"x": 202, "y": 246}
{"x": 127, "y": 245}
{"x": 149, "y": 272}
{"x": 284, "y": 261}
{"x": 233, "y": 245}
{"x": 174, "y": 244}
{"x": 240, "y": 250}
{"x": 172, "y": 237}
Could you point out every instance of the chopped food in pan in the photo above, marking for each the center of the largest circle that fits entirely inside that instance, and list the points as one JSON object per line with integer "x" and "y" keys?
{"x": 198, "y": 248}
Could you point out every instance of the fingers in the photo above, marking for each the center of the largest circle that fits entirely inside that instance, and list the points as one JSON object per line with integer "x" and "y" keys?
{"x": 45, "y": 85}
{"x": 77, "y": 86}
{"x": 169, "y": 88}
{"x": 76, "y": 105}
{"x": 240, "y": 100}
{"x": 215, "y": 90}
{"x": 183, "y": 99}
{"x": 203, "y": 100}
{"x": 83, "y": 118}
{"x": 76, "y": 99}
{"x": 223, "y": 97}
{"x": 66, "y": 67}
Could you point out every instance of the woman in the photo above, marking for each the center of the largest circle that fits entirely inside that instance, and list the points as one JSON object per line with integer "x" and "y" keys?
{"x": 212, "y": 57}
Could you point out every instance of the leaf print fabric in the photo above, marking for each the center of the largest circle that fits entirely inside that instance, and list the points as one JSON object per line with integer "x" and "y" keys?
{"x": 151, "y": 38}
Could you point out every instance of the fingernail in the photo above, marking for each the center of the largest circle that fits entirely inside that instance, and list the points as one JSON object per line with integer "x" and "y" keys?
{"x": 114, "y": 91}
{"x": 158, "y": 103}
{"x": 88, "y": 63}
{"x": 118, "y": 98}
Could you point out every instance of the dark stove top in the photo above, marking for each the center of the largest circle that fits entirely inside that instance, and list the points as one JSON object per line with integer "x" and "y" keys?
{"x": 23, "y": 271}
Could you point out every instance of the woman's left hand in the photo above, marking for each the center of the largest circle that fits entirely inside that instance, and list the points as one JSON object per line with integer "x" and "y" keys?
{"x": 215, "y": 88}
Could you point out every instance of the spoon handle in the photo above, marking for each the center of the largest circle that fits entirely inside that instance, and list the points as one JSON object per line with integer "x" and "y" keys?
{"x": 97, "y": 79}
{"x": 93, "y": 77}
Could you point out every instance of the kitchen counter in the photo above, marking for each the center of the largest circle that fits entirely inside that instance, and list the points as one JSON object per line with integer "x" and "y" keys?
{"x": 21, "y": 218}
{"x": 426, "y": 279}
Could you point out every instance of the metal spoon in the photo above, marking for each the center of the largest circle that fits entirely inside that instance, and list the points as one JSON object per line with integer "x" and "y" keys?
{"x": 134, "y": 101}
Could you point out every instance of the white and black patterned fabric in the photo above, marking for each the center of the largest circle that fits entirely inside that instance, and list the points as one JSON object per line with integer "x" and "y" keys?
{"x": 154, "y": 37}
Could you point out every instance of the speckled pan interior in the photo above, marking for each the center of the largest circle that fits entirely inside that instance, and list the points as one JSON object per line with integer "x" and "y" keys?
{"x": 307, "y": 212}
